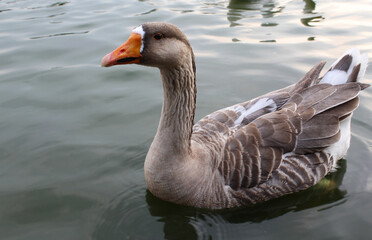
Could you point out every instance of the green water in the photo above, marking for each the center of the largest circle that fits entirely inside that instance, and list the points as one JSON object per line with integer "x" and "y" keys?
{"x": 74, "y": 136}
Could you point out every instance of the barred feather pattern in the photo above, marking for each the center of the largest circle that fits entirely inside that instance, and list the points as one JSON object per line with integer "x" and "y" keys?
{"x": 279, "y": 148}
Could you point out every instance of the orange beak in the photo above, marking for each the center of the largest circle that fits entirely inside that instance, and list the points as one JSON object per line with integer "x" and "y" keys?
{"x": 127, "y": 53}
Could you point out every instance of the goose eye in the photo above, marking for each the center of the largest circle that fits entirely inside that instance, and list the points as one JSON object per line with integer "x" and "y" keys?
{"x": 158, "y": 36}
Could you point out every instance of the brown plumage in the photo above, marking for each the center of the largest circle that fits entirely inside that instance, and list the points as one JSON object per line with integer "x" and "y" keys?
{"x": 276, "y": 144}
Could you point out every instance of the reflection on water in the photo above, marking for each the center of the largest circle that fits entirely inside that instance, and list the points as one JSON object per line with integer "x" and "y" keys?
{"x": 191, "y": 223}
{"x": 266, "y": 12}
{"x": 238, "y": 9}
{"x": 313, "y": 17}
{"x": 176, "y": 218}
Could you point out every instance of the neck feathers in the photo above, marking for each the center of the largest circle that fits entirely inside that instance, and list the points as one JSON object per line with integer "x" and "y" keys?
{"x": 178, "y": 111}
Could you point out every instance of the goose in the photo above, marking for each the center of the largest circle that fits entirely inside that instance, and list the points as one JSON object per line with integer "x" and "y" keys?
{"x": 276, "y": 144}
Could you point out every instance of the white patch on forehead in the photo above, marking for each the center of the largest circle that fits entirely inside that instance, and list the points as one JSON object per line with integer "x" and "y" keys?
{"x": 141, "y": 32}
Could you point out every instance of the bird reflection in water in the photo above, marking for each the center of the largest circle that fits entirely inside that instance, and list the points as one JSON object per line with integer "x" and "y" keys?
{"x": 191, "y": 223}
{"x": 179, "y": 222}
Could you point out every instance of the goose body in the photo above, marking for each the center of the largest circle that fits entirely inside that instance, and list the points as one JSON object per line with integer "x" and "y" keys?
{"x": 276, "y": 144}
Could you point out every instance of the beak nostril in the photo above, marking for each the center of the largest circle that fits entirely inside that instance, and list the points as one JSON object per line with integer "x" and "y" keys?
{"x": 122, "y": 50}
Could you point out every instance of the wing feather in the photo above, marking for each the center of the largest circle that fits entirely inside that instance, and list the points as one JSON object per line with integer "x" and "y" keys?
{"x": 274, "y": 145}
{"x": 305, "y": 125}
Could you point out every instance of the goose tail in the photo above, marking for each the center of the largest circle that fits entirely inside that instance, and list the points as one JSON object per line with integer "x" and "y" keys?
{"x": 350, "y": 67}
{"x": 329, "y": 102}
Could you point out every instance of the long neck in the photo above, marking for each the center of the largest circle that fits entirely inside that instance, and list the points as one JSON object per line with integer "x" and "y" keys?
{"x": 165, "y": 165}
{"x": 177, "y": 116}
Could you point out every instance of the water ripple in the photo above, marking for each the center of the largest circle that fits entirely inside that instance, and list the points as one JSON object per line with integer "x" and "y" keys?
{"x": 49, "y": 16}
{"x": 5, "y": 10}
{"x": 146, "y": 13}
{"x": 125, "y": 213}
{"x": 59, "y": 34}
{"x": 57, "y": 4}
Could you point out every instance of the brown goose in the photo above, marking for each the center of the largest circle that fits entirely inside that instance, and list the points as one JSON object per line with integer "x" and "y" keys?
{"x": 276, "y": 144}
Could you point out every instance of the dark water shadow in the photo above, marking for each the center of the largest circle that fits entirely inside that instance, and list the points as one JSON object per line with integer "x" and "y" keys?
{"x": 188, "y": 222}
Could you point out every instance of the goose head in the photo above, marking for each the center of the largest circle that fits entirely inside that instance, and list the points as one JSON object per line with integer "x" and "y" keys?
{"x": 160, "y": 45}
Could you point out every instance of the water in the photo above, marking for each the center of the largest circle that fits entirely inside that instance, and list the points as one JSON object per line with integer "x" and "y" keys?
{"x": 73, "y": 135}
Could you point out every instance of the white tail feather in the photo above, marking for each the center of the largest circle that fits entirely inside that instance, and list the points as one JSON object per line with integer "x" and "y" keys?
{"x": 336, "y": 76}
{"x": 339, "y": 74}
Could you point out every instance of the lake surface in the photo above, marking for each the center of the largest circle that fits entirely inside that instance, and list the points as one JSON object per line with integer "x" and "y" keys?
{"x": 74, "y": 136}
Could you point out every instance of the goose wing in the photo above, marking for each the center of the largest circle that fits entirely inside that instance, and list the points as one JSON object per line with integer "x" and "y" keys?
{"x": 285, "y": 148}
{"x": 275, "y": 145}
